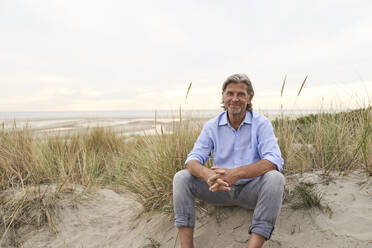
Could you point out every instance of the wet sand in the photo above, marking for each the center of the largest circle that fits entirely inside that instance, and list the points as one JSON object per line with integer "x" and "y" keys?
{"x": 121, "y": 125}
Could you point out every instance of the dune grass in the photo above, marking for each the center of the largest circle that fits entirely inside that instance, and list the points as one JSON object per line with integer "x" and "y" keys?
{"x": 151, "y": 162}
{"x": 328, "y": 142}
{"x": 28, "y": 162}
{"x": 305, "y": 197}
{"x": 146, "y": 164}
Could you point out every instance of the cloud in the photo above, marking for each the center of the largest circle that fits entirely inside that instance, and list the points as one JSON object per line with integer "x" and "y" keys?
{"x": 142, "y": 55}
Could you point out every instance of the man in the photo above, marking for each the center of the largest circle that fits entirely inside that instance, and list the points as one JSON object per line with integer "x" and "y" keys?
{"x": 246, "y": 171}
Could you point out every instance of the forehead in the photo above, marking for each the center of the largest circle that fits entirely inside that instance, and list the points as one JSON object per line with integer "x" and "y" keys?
{"x": 236, "y": 87}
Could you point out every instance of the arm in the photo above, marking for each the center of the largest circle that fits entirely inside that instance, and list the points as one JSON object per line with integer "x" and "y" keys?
{"x": 198, "y": 156}
{"x": 198, "y": 170}
{"x": 254, "y": 170}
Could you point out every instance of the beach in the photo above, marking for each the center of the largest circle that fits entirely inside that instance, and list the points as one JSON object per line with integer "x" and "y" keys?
{"x": 103, "y": 102}
{"x": 110, "y": 219}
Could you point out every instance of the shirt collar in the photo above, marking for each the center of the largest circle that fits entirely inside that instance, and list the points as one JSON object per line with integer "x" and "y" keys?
{"x": 247, "y": 119}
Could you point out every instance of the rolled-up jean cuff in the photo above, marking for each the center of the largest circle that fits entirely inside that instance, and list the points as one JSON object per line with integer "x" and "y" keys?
{"x": 183, "y": 220}
{"x": 262, "y": 228}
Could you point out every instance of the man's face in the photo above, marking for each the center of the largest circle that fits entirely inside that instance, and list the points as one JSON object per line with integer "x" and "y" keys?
{"x": 235, "y": 98}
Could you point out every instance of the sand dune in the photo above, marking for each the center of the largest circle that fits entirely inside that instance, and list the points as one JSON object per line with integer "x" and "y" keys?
{"x": 109, "y": 219}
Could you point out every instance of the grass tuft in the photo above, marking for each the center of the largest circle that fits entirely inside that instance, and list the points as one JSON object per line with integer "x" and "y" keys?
{"x": 33, "y": 206}
{"x": 305, "y": 197}
{"x": 152, "y": 243}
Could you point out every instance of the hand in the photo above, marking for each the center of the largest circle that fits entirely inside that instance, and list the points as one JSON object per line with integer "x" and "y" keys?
{"x": 215, "y": 183}
{"x": 227, "y": 175}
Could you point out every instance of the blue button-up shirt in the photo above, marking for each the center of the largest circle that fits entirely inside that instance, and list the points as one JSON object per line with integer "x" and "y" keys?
{"x": 254, "y": 140}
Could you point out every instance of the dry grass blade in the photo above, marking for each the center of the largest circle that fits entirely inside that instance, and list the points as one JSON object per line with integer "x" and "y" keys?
{"x": 302, "y": 85}
{"x": 283, "y": 85}
{"x": 156, "y": 121}
{"x": 180, "y": 114}
{"x": 188, "y": 91}
{"x": 187, "y": 94}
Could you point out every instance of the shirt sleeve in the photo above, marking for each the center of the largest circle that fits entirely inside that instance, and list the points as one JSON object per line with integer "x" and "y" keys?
{"x": 202, "y": 147}
{"x": 268, "y": 147}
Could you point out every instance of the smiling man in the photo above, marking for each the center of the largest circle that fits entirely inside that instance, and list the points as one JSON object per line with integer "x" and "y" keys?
{"x": 247, "y": 164}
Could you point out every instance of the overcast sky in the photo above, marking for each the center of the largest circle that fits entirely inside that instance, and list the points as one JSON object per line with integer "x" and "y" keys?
{"x": 119, "y": 55}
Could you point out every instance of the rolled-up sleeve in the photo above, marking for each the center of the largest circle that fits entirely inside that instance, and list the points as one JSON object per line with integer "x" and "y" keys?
{"x": 202, "y": 147}
{"x": 268, "y": 147}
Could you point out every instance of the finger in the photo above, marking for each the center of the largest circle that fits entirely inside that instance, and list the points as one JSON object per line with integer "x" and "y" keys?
{"x": 222, "y": 182}
{"x": 219, "y": 187}
{"x": 224, "y": 188}
{"x": 213, "y": 178}
{"x": 218, "y": 170}
{"x": 214, "y": 187}
{"x": 221, "y": 172}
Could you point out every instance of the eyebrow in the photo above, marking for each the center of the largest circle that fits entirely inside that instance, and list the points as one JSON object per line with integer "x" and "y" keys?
{"x": 239, "y": 92}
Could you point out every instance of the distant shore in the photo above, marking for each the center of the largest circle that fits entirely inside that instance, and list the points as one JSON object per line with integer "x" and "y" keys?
{"x": 125, "y": 122}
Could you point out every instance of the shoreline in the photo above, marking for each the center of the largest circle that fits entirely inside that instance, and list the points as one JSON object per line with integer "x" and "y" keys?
{"x": 128, "y": 122}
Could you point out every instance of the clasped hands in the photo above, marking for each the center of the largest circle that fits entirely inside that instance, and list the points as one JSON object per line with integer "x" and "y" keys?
{"x": 221, "y": 179}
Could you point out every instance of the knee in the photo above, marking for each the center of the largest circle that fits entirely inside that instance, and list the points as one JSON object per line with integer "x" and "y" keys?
{"x": 275, "y": 180}
{"x": 182, "y": 177}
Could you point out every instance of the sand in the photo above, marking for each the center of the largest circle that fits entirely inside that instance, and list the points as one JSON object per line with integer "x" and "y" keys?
{"x": 110, "y": 219}
{"x": 126, "y": 126}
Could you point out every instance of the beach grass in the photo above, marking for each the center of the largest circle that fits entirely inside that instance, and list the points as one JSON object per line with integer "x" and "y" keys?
{"x": 153, "y": 160}
{"x": 306, "y": 197}
{"x": 327, "y": 141}
{"x": 145, "y": 164}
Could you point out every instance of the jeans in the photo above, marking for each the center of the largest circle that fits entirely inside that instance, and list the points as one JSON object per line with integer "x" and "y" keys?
{"x": 263, "y": 194}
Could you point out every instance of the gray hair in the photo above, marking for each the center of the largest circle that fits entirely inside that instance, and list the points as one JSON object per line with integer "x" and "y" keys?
{"x": 240, "y": 78}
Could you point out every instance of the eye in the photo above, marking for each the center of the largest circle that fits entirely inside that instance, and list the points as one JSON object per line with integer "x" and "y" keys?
{"x": 241, "y": 94}
{"x": 229, "y": 93}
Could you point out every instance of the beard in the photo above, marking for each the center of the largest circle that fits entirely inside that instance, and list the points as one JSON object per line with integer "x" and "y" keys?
{"x": 235, "y": 110}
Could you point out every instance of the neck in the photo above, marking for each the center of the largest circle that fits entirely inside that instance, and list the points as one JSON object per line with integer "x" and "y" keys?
{"x": 236, "y": 120}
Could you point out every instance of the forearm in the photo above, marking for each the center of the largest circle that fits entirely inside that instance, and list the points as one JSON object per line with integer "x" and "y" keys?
{"x": 198, "y": 170}
{"x": 254, "y": 170}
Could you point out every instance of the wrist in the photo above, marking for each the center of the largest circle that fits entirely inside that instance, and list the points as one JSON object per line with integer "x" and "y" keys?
{"x": 237, "y": 173}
